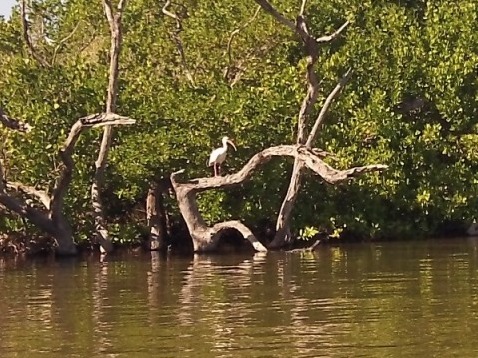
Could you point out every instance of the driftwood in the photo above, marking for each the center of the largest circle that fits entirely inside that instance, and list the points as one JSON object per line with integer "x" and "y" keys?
{"x": 205, "y": 238}
{"x": 115, "y": 24}
{"x": 48, "y": 215}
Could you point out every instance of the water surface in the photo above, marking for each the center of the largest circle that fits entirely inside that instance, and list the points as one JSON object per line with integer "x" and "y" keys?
{"x": 360, "y": 300}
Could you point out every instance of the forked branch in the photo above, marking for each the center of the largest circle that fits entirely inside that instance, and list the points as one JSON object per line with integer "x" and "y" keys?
{"x": 63, "y": 181}
{"x": 205, "y": 237}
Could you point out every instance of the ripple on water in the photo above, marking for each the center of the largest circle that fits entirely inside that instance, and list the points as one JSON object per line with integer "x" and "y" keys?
{"x": 364, "y": 300}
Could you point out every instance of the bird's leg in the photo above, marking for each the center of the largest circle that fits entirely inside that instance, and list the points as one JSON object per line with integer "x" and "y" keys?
{"x": 215, "y": 170}
{"x": 219, "y": 169}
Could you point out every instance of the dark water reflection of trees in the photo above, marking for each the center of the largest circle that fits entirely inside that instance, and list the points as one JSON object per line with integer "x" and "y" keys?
{"x": 365, "y": 299}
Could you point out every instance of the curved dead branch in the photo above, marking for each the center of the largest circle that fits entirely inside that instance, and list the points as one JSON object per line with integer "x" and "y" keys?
{"x": 243, "y": 229}
{"x": 63, "y": 181}
{"x": 204, "y": 237}
{"x": 308, "y": 156}
{"x": 51, "y": 218}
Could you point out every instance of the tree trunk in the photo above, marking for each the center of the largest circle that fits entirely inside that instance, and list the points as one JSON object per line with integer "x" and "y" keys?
{"x": 204, "y": 237}
{"x": 48, "y": 213}
{"x": 156, "y": 217}
{"x": 311, "y": 47}
{"x": 283, "y": 233}
{"x": 64, "y": 238}
{"x": 114, "y": 21}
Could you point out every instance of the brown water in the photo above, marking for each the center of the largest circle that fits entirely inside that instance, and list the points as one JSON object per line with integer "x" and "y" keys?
{"x": 364, "y": 300}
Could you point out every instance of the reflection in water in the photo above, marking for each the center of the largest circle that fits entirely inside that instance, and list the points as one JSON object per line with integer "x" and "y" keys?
{"x": 371, "y": 300}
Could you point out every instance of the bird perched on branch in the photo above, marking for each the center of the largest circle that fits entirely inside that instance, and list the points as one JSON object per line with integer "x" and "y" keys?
{"x": 218, "y": 155}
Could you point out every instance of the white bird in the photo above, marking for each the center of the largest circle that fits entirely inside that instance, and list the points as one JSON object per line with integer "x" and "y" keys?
{"x": 218, "y": 155}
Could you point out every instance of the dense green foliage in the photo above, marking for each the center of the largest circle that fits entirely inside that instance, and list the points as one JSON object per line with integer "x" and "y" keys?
{"x": 402, "y": 52}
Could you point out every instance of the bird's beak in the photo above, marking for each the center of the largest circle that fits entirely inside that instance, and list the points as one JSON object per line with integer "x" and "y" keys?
{"x": 231, "y": 143}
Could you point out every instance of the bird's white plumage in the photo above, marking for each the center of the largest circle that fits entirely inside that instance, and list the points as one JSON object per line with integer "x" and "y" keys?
{"x": 218, "y": 155}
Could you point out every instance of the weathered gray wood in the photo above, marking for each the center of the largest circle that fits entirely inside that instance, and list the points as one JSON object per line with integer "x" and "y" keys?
{"x": 311, "y": 46}
{"x": 116, "y": 34}
{"x": 204, "y": 237}
{"x": 50, "y": 217}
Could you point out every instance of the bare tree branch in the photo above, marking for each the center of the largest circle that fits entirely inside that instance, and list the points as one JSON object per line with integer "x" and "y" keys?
{"x": 108, "y": 8}
{"x": 243, "y": 229}
{"x": 27, "y": 38}
{"x": 233, "y": 34}
{"x": 311, "y": 45}
{"x": 116, "y": 34}
{"x": 302, "y": 7}
{"x": 88, "y": 42}
{"x": 62, "y": 41}
{"x": 204, "y": 237}
{"x": 276, "y": 14}
{"x": 36, "y": 217}
{"x": 177, "y": 39}
{"x": 169, "y": 13}
{"x": 63, "y": 181}
{"x": 326, "y": 106}
{"x": 121, "y": 5}
{"x": 306, "y": 155}
{"x": 328, "y": 38}
{"x": 40, "y": 195}
{"x": 14, "y": 124}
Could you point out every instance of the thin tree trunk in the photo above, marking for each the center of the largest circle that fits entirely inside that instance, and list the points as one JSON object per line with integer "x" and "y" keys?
{"x": 114, "y": 20}
{"x": 283, "y": 234}
{"x": 311, "y": 45}
{"x": 50, "y": 217}
{"x": 156, "y": 218}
